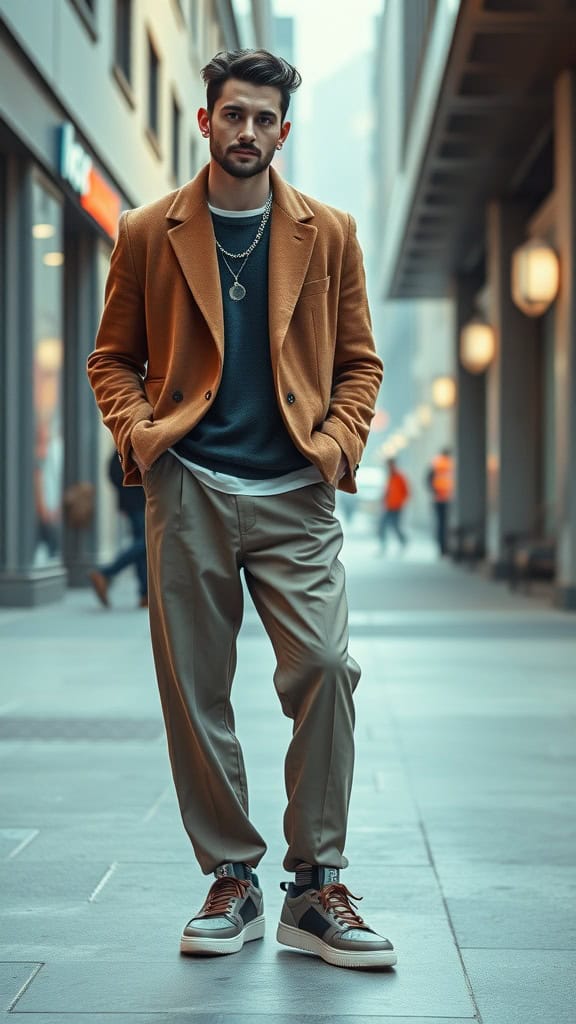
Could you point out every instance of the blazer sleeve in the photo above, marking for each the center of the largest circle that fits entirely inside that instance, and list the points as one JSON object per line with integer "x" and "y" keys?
{"x": 117, "y": 367}
{"x": 357, "y": 367}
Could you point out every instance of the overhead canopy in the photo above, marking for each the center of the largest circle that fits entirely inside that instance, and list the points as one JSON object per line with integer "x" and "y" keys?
{"x": 491, "y": 137}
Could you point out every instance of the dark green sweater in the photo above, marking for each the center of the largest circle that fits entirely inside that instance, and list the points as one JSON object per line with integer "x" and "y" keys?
{"x": 243, "y": 433}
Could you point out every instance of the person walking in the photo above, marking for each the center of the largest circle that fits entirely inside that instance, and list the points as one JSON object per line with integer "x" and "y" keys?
{"x": 440, "y": 481}
{"x": 396, "y": 494}
{"x": 236, "y": 368}
{"x": 131, "y": 502}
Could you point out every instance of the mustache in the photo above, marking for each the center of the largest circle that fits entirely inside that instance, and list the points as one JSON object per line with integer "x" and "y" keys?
{"x": 244, "y": 149}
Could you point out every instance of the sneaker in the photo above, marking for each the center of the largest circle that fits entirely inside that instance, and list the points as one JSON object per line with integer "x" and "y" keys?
{"x": 232, "y": 914}
{"x": 324, "y": 921}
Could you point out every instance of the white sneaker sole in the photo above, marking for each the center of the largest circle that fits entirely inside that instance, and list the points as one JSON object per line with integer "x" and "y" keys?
{"x": 298, "y": 939}
{"x": 197, "y": 945}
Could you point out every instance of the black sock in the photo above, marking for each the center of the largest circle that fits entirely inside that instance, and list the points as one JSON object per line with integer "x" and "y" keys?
{"x": 314, "y": 876}
{"x": 234, "y": 869}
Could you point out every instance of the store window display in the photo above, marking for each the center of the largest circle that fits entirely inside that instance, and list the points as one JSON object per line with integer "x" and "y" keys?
{"x": 48, "y": 358}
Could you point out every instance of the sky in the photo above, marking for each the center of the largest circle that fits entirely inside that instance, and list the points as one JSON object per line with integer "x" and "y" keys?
{"x": 328, "y": 34}
{"x": 328, "y": 37}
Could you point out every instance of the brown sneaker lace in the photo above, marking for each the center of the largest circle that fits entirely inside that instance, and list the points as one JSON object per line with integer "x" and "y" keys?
{"x": 221, "y": 894}
{"x": 337, "y": 900}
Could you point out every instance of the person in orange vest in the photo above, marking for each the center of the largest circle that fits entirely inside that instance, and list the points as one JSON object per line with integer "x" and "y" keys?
{"x": 396, "y": 494}
{"x": 440, "y": 481}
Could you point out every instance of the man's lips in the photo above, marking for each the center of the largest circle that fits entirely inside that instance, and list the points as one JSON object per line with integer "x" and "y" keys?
{"x": 245, "y": 152}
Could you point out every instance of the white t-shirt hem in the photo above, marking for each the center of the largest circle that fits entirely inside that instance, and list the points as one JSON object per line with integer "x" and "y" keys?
{"x": 257, "y": 488}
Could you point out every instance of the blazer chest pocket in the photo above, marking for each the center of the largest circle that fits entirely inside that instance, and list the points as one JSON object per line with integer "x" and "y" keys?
{"x": 317, "y": 287}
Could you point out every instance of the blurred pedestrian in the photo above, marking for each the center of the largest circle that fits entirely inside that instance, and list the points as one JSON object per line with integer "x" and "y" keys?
{"x": 236, "y": 368}
{"x": 440, "y": 482}
{"x": 396, "y": 494}
{"x": 131, "y": 502}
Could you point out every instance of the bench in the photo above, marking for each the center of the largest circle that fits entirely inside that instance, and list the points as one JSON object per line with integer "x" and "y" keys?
{"x": 533, "y": 559}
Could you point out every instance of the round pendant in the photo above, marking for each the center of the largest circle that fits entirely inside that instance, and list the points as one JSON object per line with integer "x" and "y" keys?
{"x": 237, "y": 291}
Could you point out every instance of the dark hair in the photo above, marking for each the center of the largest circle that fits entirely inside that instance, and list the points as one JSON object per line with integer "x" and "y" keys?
{"x": 257, "y": 66}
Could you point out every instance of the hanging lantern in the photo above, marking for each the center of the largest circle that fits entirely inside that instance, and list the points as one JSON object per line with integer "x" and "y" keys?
{"x": 477, "y": 345}
{"x": 411, "y": 426}
{"x": 443, "y": 392}
{"x": 535, "y": 277}
{"x": 424, "y": 415}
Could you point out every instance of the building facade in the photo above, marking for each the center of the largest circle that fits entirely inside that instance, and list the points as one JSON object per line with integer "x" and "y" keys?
{"x": 98, "y": 102}
{"x": 477, "y": 170}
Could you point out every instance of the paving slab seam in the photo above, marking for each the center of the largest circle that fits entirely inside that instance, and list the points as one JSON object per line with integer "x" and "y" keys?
{"x": 153, "y": 810}
{"x": 478, "y": 1015}
{"x": 22, "y": 846}
{"x": 521, "y": 949}
{"x": 405, "y": 762}
{"x": 103, "y": 881}
{"x": 24, "y": 988}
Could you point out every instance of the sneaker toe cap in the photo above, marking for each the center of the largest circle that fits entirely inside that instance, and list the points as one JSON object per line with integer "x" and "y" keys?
{"x": 360, "y": 938}
{"x": 213, "y": 926}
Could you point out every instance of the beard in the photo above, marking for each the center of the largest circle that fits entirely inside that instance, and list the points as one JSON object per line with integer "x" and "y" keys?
{"x": 238, "y": 170}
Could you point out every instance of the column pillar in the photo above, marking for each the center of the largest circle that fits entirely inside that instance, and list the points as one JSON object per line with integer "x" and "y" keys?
{"x": 512, "y": 394}
{"x": 22, "y": 582}
{"x": 565, "y": 340}
{"x": 82, "y": 303}
{"x": 470, "y": 429}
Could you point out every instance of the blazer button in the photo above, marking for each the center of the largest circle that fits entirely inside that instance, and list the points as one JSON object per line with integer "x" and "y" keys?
{"x": 177, "y": 396}
{"x": 208, "y": 395}
{"x": 290, "y": 398}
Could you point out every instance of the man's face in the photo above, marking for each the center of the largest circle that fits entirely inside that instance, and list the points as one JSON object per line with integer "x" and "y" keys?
{"x": 245, "y": 127}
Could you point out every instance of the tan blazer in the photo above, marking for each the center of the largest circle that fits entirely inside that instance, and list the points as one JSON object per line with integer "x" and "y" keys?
{"x": 160, "y": 347}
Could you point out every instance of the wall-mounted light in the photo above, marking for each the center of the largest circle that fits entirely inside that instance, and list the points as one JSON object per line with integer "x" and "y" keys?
{"x": 477, "y": 345}
{"x": 49, "y": 354}
{"x": 443, "y": 392}
{"x": 535, "y": 277}
{"x": 53, "y": 259}
{"x": 424, "y": 415}
{"x": 411, "y": 426}
{"x": 43, "y": 230}
{"x": 399, "y": 440}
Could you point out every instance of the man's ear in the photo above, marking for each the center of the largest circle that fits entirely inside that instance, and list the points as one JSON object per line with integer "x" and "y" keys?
{"x": 204, "y": 122}
{"x": 284, "y": 133}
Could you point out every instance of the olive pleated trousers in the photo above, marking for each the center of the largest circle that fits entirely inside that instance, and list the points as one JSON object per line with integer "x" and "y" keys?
{"x": 199, "y": 540}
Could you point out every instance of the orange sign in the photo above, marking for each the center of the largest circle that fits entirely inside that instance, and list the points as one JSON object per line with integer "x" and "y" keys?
{"x": 102, "y": 203}
{"x": 98, "y": 198}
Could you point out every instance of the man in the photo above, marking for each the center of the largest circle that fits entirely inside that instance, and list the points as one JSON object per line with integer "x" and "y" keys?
{"x": 440, "y": 480}
{"x": 236, "y": 369}
{"x": 396, "y": 494}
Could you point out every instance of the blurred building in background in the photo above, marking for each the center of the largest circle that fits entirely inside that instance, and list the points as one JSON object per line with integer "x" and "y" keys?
{"x": 477, "y": 216}
{"x": 98, "y": 102}
{"x": 283, "y": 43}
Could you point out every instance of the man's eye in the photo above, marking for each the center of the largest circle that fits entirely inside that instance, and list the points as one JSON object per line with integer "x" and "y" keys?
{"x": 265, "y": 120}
{"x": 232, "y": 115}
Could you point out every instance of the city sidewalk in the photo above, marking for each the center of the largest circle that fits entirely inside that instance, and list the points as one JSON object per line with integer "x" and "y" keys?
{"x": 462, "y": 832}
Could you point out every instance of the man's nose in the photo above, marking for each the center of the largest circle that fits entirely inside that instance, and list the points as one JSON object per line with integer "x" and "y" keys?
{"x": 247, "y": 132}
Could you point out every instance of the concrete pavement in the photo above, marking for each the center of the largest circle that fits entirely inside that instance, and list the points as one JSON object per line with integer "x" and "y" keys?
{"x": 462, "y": 829}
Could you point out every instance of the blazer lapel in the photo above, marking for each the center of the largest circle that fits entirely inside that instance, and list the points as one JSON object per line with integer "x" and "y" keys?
{"x": 192, "y": 240}
{"x": 291, "y": 244}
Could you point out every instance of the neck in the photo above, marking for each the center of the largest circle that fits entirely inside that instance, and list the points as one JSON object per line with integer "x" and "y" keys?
{"x": 229, "y": 193}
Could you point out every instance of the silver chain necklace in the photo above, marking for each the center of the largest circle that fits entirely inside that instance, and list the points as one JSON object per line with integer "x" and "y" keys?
{"x": 237, "y": 291}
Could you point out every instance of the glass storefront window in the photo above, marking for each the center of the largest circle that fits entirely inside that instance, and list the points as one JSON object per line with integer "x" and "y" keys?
{"x": 47, "y": 293}
{"x": 107, "y": 510}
